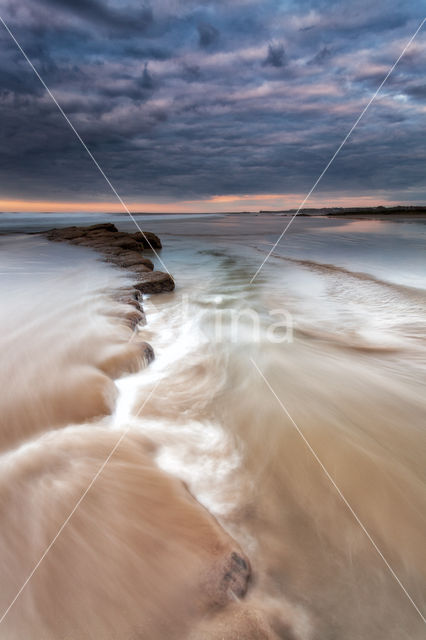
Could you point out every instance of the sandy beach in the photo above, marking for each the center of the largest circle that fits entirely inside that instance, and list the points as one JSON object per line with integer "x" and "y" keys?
{"x": 136, "y": 527}
{"x": 211, "y": 519}
{"x": 212, "y": 320}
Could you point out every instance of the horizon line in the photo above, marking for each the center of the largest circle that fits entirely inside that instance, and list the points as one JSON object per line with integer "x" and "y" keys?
{"x": 255, "y": 203}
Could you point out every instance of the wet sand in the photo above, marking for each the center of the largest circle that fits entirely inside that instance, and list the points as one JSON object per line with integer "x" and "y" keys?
{"x": 136, "y": 556}
{"x": 351, "y": 378}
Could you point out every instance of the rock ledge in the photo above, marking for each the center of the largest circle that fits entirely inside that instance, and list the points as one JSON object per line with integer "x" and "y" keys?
{"x": 121, "y": 249}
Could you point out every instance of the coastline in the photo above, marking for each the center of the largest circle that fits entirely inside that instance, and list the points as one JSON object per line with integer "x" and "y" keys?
{"x": 199, "y": 569}
{"x": 399, "y": 212}
{"x": 67, "y": 322}
{"x": 124, "y": 250}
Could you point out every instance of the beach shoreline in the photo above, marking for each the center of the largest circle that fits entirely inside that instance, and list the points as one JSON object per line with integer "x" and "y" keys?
{"x": 200, "y": 570}
{"x": 71, "y": 325}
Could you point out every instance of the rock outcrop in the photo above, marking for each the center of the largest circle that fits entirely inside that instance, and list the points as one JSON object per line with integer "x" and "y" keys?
{"x": 147, "y": 239}
{"x": 155, "y": 282}
{"x": 123, "y": 250}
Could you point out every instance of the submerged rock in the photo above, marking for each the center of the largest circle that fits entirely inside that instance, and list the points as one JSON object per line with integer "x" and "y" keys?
{"x": 155, "y": 282}
{"x": 132, "y": 302}
{"x": 106, "y": 226}
{"x": 125, "y": 359}
{"x": 134, "y": 318}
{"x": 125, "y": 243}
{"x": 139, "y": 268}
{"x": 123, "y": 250}
{"x": 105, "y": 237}
{"x": 129, "y": 259}
{"x": 147, "y": 352}
{"x": 147, "y": 239}
{"x": 73, "y": 232}
{"x": 67, "y": 233}
{"x": 106, "y": 240}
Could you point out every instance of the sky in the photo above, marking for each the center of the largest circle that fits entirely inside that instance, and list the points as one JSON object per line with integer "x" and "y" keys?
{"x": 211, "y": 106}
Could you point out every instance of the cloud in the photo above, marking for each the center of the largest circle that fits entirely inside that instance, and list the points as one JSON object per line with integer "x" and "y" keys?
{"x": 187, "y": 100}
{"x": 276, "y": 55}
{"x": 208, "y": 34}
{"x": 146, "y": 81}
{"x": 417, "y": 91}
{"x": 322, "y": 56}
{"x": 124, "y": 18}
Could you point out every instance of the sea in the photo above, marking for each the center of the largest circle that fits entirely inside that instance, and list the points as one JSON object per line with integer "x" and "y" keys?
{"x": 290, "y": 400}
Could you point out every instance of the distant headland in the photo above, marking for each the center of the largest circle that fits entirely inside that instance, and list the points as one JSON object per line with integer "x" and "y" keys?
{"x": 365, "y": 212}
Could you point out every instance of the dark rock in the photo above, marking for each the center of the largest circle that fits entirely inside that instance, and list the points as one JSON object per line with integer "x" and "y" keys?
{"x": 147, "y": 352}
{"x": 155, "y": 282}
{"x": 81, "y": 240}
{"x": 235, "y": 577}
{"x": 66, "y": 233}
{"x": 104, "y": 237}
{"x": 129, "y": 300}
{"x": 133, "y": 303}
{"x": 147, "y": 239}
{"x": 112, "y": 251}
{"x": 126, "y": 294}
{"x": 136, "y": 294}
{"x": 126, "y": 243}
{"x": 128, "y": 358}
{"x": 131, "y": 297}
{"x": 122, "y": 249}
{"x": 139, "y": 268}
{"x": 104, "y": 234}
{"x": 128, "y": 259}
{"x": 107, "y": 236}
{"x": 134, "y": 318}
{"x": 106, "y": 226}
{"x": 95, "y": 242}
{"x": 108, "y": 241}
{"x": 112, "y": 236}
{"x": 98, "y": 236}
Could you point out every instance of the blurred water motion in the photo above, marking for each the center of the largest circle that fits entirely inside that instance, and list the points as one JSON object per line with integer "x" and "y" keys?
{"x": 136, "y": 558}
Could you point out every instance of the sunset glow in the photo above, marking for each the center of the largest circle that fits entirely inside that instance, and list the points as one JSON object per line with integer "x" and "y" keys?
{"x": 218, "y": 203}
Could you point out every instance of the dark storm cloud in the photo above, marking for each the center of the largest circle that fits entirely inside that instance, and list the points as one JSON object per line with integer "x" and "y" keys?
{"x": 12, "y": 83}
{"x": 208, "y": 34}
{"x": 147, "y": 81}
{"x": 276, "y": 55}
{"x": 323, "y": 54}
{"x": 127, "y": 18}
{"x": 417, "y": 91}
{"x": 189, "y": 99}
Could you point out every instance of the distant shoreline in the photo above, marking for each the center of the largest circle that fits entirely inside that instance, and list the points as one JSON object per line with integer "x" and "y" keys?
{"x": 377, "y": 213}
{"x": 396, "y": 213}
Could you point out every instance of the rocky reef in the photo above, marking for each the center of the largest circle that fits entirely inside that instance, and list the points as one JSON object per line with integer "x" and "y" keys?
{"x": 127, "y": 251}
{"x": 121, "y": 249}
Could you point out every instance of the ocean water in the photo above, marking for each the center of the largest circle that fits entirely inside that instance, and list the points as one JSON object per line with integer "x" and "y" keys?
{"x": 292, "y": 407}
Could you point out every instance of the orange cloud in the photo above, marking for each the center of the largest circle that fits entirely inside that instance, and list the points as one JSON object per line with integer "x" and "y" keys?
{"x": 217, "y": 203}
{"x": 51, "y": 206}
